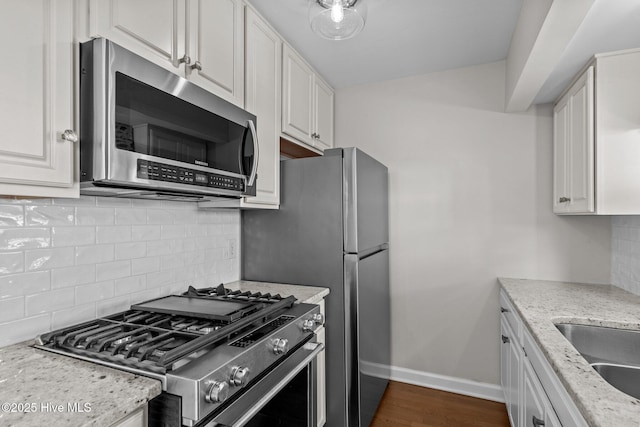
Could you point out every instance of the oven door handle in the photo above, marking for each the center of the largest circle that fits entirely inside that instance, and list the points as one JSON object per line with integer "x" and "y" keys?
{"x": 313, "y": 349}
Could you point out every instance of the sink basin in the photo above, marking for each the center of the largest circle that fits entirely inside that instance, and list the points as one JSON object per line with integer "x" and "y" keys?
{"x": 613, "y": 353}
{"x": 598, "y": 344}
{"x": 624, "y": 378}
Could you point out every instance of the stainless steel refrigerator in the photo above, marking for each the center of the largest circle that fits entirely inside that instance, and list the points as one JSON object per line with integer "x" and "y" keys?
{"x": 332, "y": 230}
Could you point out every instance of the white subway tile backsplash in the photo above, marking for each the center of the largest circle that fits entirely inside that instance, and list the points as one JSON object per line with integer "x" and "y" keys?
{"x": 158, "y": 216}
{"x": 94, "y": 254}
{"x": 94, "y": 292}
{"x": 11, "y": 262}
{"x": 145, "y": 232}
{"x": 72, "y": 316}
{"x": 113, "y": 202}
{"x": 72, "y": 276}
{"x": 131, "y": 284}
{"x": 65, "y": 261}
{"x": 113, "y": 305}
{"x": 42, "y": 216}
{"x": 11, "y": 309}
{"x": 11, "y": 215}
{"x": 113, "y": 270}
{"x": 24, "y": 329}
{"x": 115, "y": 234}
{"x": 625, "y": 253}
{"x": 131, "y": 216}
{"x": 49, "y": 301}
{"x": 73, "y": 236}
{"x": 173, "y": 231}
{"x": 94, "y": 216}
{"x": 46, "y": 259}
{"x": 24, "y": 238}
{"x": 24, "y": 284}
{"x": 145, "y": 265}
{"x": 131, "y": 250}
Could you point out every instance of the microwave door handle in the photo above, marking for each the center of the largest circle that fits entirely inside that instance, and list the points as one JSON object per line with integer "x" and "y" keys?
{"x": 256, "y": 154}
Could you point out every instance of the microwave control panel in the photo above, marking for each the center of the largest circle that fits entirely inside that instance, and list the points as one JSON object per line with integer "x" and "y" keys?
{"x": 156, "y": 171}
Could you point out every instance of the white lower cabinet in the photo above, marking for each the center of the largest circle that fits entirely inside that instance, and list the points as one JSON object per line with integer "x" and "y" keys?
{"x": 37, "y": 152}
{"x": 533, "y": 393}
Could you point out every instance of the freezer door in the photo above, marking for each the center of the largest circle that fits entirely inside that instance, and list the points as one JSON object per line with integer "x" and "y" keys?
{"x": 366, "y": 200}
{"x": 368, "y": 333}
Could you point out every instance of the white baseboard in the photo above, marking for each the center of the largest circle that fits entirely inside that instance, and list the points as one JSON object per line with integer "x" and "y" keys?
{"x": 439, "y": 382}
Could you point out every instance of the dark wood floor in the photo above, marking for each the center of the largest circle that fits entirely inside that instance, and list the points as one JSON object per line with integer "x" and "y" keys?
{"x": 405, "y": 405}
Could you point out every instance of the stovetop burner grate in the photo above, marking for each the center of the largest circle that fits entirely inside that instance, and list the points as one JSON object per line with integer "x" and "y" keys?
{"x": 156, "y": 339}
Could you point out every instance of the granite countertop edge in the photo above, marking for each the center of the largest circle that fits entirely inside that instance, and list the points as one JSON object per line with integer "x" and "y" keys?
{"x": 31, "y": 375}
{"x": 542, "y": 304}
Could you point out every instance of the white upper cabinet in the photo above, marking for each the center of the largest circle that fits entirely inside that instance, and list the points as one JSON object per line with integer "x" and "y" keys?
{"x": 154, "y": 29}
{"x": 37, "y": 151}
{"x": 573, "y": 150}
{"x": 596, "y": 139}
{"x": 202, "y": 40}
{"x": 307, "y": 103}
{"x": 262, "y": 97}
{"x": 323, "y": 118}
{"x": 216, "y": 47}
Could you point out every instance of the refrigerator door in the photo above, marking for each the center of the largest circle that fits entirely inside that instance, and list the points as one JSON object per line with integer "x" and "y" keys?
{"x": 368, "y": 334}
{"x": 366, "y": 196}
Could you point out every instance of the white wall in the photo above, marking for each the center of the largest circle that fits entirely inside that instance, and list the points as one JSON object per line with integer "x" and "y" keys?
{"x": 470, "y": 200}
{"x": 64, "y": 261}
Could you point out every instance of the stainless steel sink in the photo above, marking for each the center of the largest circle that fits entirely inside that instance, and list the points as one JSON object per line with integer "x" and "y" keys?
{"x": 613, "y": 353}
{"x": 598, "y": 344}
{"x": 624, "y": 378}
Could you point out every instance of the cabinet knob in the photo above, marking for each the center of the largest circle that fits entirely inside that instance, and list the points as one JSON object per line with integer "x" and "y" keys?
{"x": 70, "y": 136}
{"x": 186, "y": 59}
{"x": 537, "y": 422}
{"x": 197, "y": 66}
{"x": 504, "y": 310}
{"x": 505, "y": 339}
{"x": 564, "y": 199}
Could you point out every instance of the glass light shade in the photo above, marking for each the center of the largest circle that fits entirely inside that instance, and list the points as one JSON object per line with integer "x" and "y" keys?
{"x": 337, "y": 19}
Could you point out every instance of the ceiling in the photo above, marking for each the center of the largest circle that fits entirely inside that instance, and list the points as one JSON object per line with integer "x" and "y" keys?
{"x": 409, "y": 37}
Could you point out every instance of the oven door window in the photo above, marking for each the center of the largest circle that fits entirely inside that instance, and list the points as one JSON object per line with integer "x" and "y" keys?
{"x": 152, "y": 122}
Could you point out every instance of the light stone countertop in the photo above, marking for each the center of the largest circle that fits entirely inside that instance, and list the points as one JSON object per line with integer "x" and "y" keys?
{"x": 542, "y": 304}
{"x": 45, "y": 379}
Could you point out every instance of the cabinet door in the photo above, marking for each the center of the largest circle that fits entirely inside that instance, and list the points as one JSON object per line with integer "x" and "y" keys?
{"x": 504, "y": 362}
{"x": 581, "y": 178}
{"x": 154, "y": 29}
{"x": 323, "y": 117}
{"x": 137, "y": 419}
{"x": 560, "y": 164}
{"x": 216, "y": 47}
{"x": 36, "y": 98}
{"x": 574, "y": 169}
{"x": 297, "y": 97}
{"x": 533, "y": 399}
{"x": 515, "y": 379}
{"x": 262, "y": 98}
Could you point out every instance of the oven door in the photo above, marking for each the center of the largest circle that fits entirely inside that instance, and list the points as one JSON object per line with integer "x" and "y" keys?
{"x": 286, "y": 396}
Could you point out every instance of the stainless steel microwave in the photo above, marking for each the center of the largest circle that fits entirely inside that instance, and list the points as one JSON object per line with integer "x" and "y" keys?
{"x": 148, "y": 133}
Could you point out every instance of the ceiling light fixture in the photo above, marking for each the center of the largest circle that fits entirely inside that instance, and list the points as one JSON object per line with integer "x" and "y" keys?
{"x": 337, "y": 19}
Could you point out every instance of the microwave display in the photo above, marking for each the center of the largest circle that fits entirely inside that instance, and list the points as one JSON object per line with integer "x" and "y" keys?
{"x": 152, "y": 122}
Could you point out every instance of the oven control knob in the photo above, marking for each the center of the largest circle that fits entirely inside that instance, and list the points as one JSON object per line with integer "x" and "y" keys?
{"x": 218, "y": 392}
{"x": 318, "y": 318}
{"x": 280, "y": 345}
{"x": 308, "y": 325}
{"x": 239, "y": 376}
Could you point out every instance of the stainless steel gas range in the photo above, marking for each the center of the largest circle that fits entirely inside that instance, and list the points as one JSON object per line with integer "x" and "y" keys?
{"x": 225, "y": 358}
